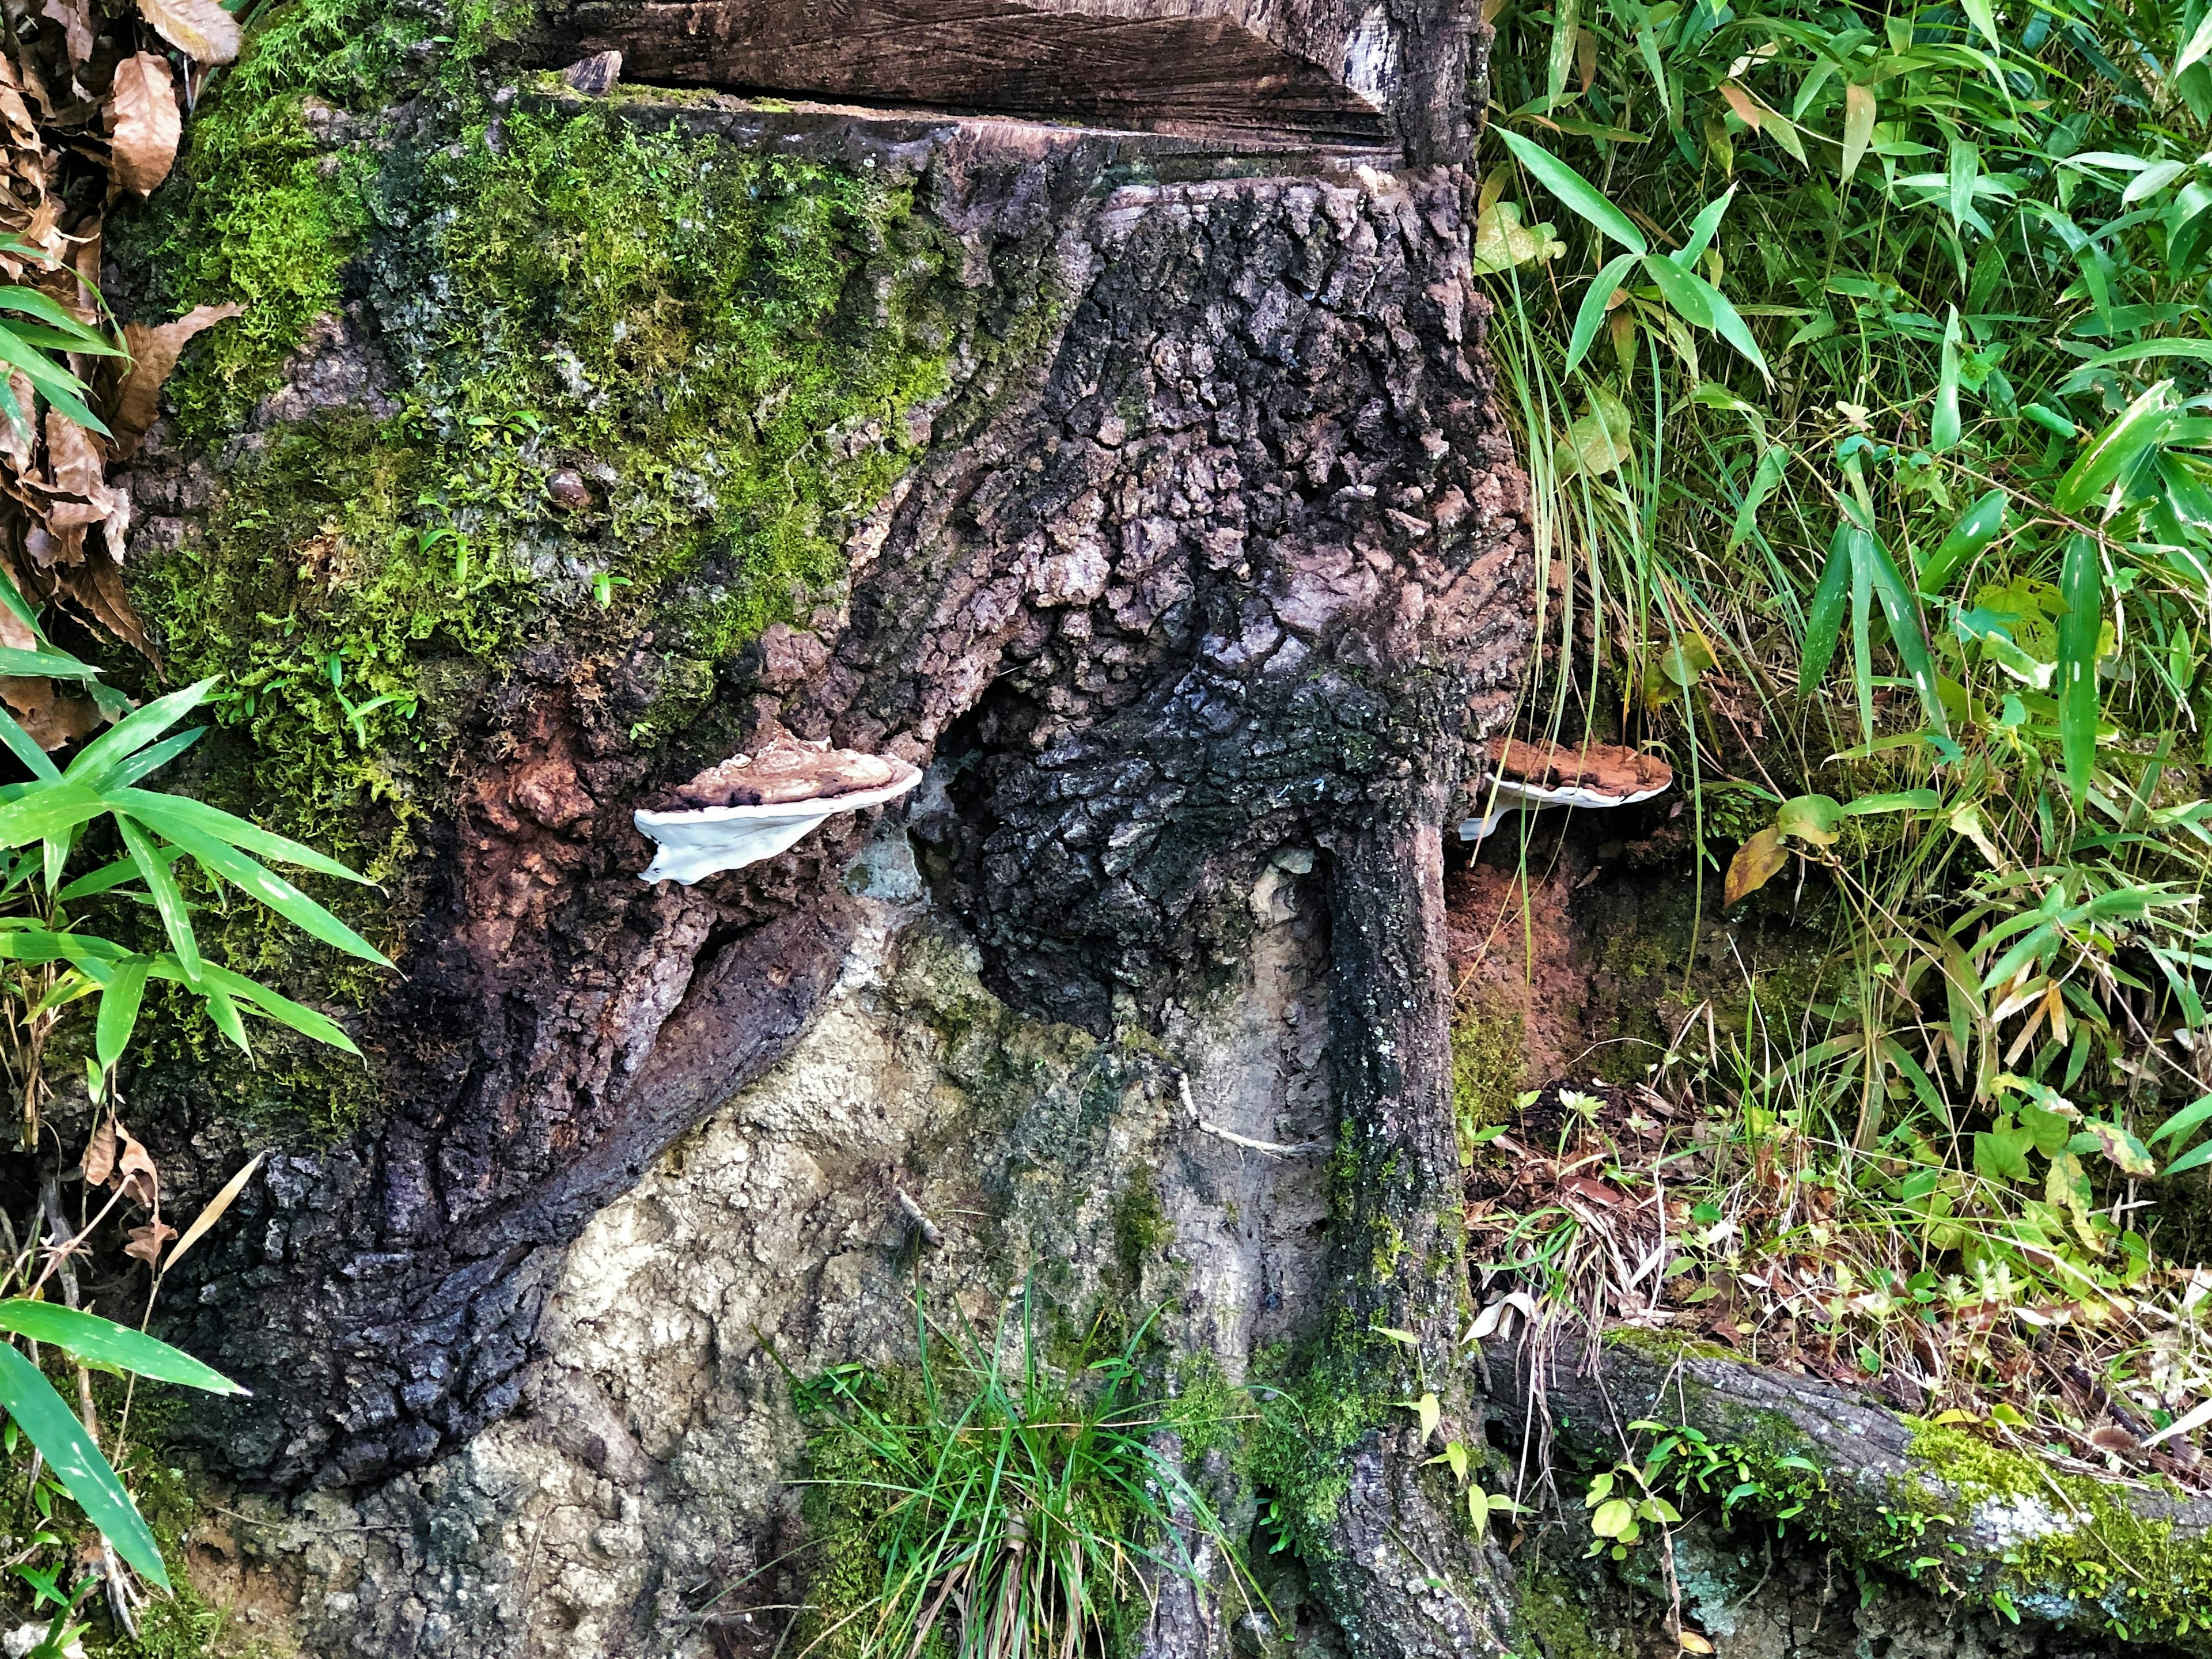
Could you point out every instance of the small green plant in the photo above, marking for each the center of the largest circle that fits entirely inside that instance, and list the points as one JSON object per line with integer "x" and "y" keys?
{"x": 994, "y": 1505}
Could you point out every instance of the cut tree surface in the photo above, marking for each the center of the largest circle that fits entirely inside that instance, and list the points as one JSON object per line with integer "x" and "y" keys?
{"x": 1328, "y": 72}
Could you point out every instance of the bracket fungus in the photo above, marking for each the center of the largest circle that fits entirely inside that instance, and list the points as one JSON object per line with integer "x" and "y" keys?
{"x": 753, "y": 806}
{"x": 1526, "y": 777}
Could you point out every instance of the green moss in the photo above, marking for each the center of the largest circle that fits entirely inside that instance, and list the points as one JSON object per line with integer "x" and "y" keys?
{"x": 1549, "y": 1621}
{"x": 1140, "y": 1227}
{"x": 1316, "y": 1403}
{"x": 1487, "y": 1066}
{"x": 2092, "y": 1555}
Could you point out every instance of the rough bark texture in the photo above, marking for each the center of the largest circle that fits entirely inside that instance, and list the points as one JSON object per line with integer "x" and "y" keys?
{"x": 1236, "y": 557}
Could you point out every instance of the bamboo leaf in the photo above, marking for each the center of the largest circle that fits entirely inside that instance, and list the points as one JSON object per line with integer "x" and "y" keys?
{"x": 1943, "y": 428}
{"x": 1978, "y": 526}
{"x": 98, "y": 1341}
{"x": 2080, "y": 586}
{"x": 2114, "y": 451}
{"x": 120, "y": 999}
{"x": 1824, "y": 617}
{"x": 1574, "y": 191}
{"x": 76, "y": 1463}
{"x": 1591, "y": 317}
{"x": 170, "y": 813}
{"x": 168, "y": 898}
{"x": 268, "y": 888}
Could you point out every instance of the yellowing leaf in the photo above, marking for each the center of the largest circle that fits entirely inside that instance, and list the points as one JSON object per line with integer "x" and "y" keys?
{"x": 1756, "y": 863}
{"x": 1502, "y": 242}
{"x": 1614, "y": 1518}
{"x": 2122, "y": 1148}
{"x": 201, "y": 29}
{"x": 142, "y": 121}
{"x": 1598, "y": 443}
{"x": 1430, "y": 1412}
{"x": 1858, "y": 127}
{"x": 1742, "y": 103}
{"x": 1693, "y": 1642}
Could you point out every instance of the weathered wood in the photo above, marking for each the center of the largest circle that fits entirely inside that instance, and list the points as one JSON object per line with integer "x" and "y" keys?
{"x": 1326, "y": 72}
{"x": 1956, "y": 1515}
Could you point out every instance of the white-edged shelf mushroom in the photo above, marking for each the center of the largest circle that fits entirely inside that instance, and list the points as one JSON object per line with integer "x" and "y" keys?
{"x": 1526, "y": 777}
{"x": 753, "y": 806}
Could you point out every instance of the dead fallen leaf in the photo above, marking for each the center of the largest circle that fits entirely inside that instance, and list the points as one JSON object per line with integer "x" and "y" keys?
{"x": 213, "y": 1213}
{"x": 146, "y": 1241}
{"x": 141, "y": 1182}
{"x": 100, "y": 1154}
{"x": 201, "y": 29}
{"x": 76, "y": 29}
{"x": 1757, "y": 862}
{"x": 143, "y": 122}
{"x": 154, "y": 353}
{"x": 95, "y": 587}
{"x": 55, "y": 715}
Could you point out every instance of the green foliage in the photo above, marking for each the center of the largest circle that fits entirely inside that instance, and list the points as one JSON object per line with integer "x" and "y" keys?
{"x": 991, "y": 1504}
{"x": 1925, "y": 566}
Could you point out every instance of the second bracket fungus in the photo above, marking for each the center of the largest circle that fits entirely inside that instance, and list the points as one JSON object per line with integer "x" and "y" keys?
{"x": 1528, "y": 776}
{"x": 752, "y": 807}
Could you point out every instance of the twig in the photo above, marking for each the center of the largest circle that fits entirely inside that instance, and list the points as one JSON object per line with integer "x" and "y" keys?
{"x": 932, "y": 1234}
{"x": 1276, "y": 1149}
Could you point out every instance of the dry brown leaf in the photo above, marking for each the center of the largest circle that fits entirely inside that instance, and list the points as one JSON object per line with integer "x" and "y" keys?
{"x": 1757, "y": 862}
{"x": 200, "y": 29}
{"x": 95, "y": 587}
{"x": 141, "y": 1182}
{"x": 146, "y": 1241}
{"x": 1745, "y": 108}
{"x": 143, "y": 120}
{"x": 76, "y": 26}
{"x": 100, "y": 1154}
{"x": 55, "y": 715}
{"x": 213, "y": 1213}
{"x": 154, "y": 353}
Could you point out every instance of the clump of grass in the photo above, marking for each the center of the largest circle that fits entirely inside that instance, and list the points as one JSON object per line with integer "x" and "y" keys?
{"x": 990, "y": 1504}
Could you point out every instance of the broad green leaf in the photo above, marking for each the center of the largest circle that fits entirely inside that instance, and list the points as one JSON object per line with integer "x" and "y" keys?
{"x": 118, "y": 1010}
{"x": 52, "y": 665}
{"x": 76, "y": 1463}
{"x": 224, "y": 1012}
{"x": 1567, "y": 18}
{"x": 133, "y": 732}
{"x": 306, "y": 1021}
{"x": 34, "y": 302}
{"x": 2081, "y": 584}
{"x": 148, "y": 761}
{"x": 100, "y": 1341}
{"x": 2151, "y": 181}
{"x": 1613, "y": 1518}
{"x": 1683, "y": 291}
{"x": 1984, "y": 17}
{"x": 2114, "y": 451}
{"x": 1599, "y": 441}
{"x": 260, "y": 882}
{"x": 1809, "y": 817}
{"x": 169, "y": 813}
{"x": 1965, "y": 168}
{"x": 1702, "y": 229}
{"x": 1943, "y": 428}
{"x": 1591, "y": 317}
{"x": 1978, "y": 526}
{"x": 1573, "y": 191}
{"x": 1901, "y": 608}
{"x": 1858, "y": 128}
